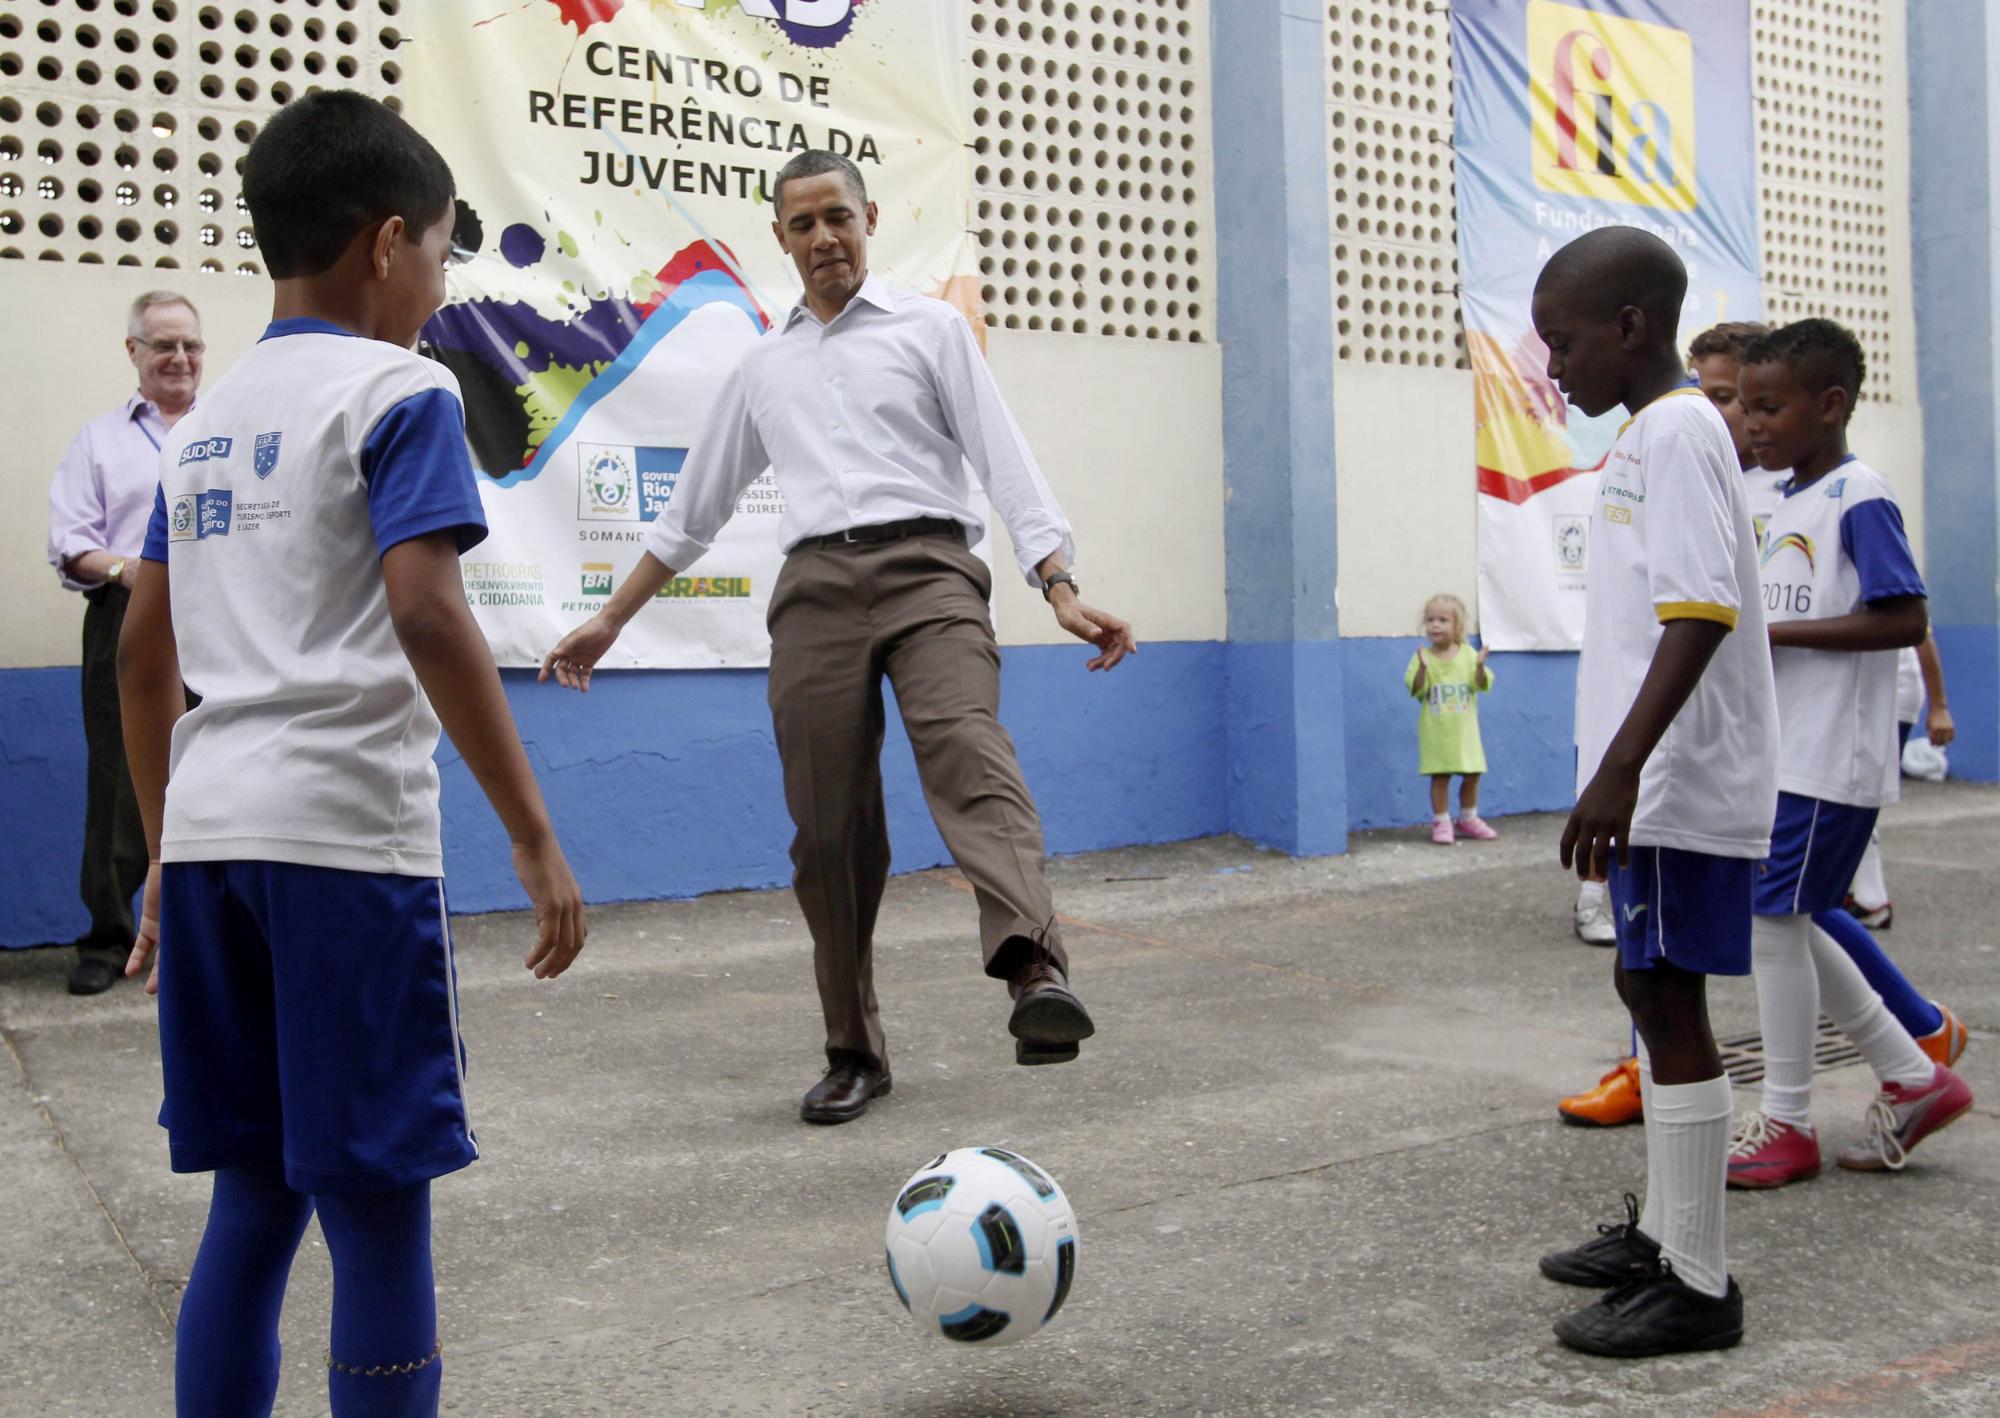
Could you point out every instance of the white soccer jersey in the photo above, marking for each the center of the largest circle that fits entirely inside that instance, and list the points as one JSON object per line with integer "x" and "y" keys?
{"x": 1673, "y": 541}
{"x": 1831, "y": 547}
{"x": 317, "y": 452}
{"x": 1764, "y": 490}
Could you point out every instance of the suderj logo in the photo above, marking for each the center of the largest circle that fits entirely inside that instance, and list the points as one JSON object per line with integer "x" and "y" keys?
{"x": 204, "y": 449}
{"x": 1611, "y": 103}
{"x": 1799, "y": 540}
{"x": 596, "y": 578}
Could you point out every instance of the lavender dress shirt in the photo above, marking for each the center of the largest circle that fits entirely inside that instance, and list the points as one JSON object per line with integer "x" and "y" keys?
{"x": 102, "y": 496}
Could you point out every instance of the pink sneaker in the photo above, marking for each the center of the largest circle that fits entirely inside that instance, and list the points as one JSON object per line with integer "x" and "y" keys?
{"x": 1441, "y": 832}
{"x": 1764, "y": 1152}
{"x": 1475, "y": 827}
{"x": 1900, "y": 1118}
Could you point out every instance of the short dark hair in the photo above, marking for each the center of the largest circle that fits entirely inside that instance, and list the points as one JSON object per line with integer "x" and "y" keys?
{"x": 1609, "y": 268}
{"x": 1822, "y": 353}
{"x": 1730, "y": 339}
{"x": 817, "y": 162}
{"x": 330, "y": 165}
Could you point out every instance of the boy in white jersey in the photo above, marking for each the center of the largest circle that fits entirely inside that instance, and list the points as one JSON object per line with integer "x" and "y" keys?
{"x": 302, "y": 573}
{"x": 1843, "y": 595}
{"x": 1676, "y": 765}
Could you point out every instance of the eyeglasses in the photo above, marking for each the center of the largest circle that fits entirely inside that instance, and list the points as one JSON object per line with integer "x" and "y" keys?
{"x": 166, "y": 349}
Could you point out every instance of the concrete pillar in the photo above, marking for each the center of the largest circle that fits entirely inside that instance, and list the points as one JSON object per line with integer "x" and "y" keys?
{"x": 1286, "y": 760}
{"x": 1955, "y": 235}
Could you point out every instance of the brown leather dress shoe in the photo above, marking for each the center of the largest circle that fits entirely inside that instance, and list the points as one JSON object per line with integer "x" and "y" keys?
{"x": 842, "y": 1094}
{"x": 1048, "y": 1019}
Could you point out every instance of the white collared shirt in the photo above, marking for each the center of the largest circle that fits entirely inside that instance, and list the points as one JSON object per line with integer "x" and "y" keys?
{"x": 871, "y": 418}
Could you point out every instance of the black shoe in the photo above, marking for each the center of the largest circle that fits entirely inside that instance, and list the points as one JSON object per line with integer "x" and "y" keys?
{"x": 1620, "y": 1253}
{"x": 843, "y": 1092}
{"x": 92, "y": 976}
{"x": 1655, "y": 1314}
{"x": 1048, "y": 1019}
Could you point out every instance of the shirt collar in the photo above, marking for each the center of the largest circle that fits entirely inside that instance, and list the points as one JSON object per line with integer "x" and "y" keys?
{"x": 1791, "y": 484}
{"x": 140, "y": 407}
{"x": 303, "y": 325}
{"x": 873, "y": 290}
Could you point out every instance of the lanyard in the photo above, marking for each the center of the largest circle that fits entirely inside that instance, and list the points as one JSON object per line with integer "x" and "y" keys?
{"x": 148, "y": 432}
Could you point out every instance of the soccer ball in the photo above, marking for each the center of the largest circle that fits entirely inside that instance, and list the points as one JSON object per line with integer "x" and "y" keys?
{"x": 982, "y": 1246}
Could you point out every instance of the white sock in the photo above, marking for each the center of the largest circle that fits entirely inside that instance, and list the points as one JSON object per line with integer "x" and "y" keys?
{"x": 1441, "y": 816}
{"x": 1781, "y": 959}
{"x": 1870, "y": 889}
{"x": 1589, "y": 895}
{"x": 1852, "y": 1003}
{"x": 1687, "y": 1126}
{"x": 1649, "y": 1214}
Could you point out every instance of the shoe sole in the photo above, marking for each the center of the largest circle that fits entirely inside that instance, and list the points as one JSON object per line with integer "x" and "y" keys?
{"x": 1728, "y": 1339}
{"x": 1577, "y": 1120}
{"x": 1034, "y": 1055}
{"x": 1761, "y": 1184}
{"x": 1047, "y": 1018}
{"x": 1874, "y": 1163}
{"x": 1583, "y": 1279}
{"x": 828, "y": 1116}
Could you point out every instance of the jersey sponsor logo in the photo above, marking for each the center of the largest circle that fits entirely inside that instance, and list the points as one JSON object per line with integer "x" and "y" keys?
{"x": 197, "y": 516}
{"x": 264, "y": 456}
{"x": 1620, "y": 515}
{"x": 202, "y": 450}
{"x": 1799, "y": 541}
{"x": 1835, "y": 488}
{"x": 1633, "y": 911}
{"x": 1611, "y": 102}
{"x": 624, "y": 482}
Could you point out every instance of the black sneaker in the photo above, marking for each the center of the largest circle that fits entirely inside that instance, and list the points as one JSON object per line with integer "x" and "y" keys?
{"x": 92, "y": 976}
{"x": 1620, "y": 1253}
{"x": 1655, "y": 1314}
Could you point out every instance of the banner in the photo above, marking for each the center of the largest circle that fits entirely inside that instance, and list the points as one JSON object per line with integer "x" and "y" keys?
{"x": 614, "y": 161}
{"x": 1569, "y": 117}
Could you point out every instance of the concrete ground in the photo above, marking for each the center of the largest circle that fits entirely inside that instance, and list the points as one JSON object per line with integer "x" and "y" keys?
{"x": 1313, "y": 1149}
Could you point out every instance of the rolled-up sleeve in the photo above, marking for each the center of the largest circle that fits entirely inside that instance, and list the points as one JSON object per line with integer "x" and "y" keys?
{"x": 998, "y": 451}
{"x": 726, "y": 457}
{"x": 78, "y": 519}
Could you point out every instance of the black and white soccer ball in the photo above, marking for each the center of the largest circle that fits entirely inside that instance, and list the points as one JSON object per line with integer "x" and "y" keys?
{"x": 982, "y": 1246}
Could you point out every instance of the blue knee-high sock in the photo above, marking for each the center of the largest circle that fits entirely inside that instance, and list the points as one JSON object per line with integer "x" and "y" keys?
{"x": 226, "y": 1344}
{"x": 385, "y": 1360}
{"x": 1912, "y": 1010}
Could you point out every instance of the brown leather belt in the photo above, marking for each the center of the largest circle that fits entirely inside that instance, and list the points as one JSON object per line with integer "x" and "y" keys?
{"x": 887, "y": 532}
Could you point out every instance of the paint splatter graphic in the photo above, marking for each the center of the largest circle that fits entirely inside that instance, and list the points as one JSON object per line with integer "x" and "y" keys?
{"x": 585, "y": 13}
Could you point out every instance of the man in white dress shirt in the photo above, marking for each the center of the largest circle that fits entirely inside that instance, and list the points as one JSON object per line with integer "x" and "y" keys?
{"x": 867, "y": 404}
{"x": 99, "y": 503}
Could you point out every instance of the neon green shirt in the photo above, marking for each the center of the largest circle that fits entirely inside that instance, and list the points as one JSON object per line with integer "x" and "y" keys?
{"x": 1448, "y": 712}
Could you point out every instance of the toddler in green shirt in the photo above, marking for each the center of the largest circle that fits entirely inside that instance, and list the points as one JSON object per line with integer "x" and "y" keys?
{"x": 1446, "y": 678}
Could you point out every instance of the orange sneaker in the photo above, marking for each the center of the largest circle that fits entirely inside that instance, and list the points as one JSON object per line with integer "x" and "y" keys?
{"x": 1948, "y": 1042}
{"x": 1613, "y": 1103}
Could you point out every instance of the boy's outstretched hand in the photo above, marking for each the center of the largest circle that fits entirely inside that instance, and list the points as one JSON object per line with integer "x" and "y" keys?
{"x": 560, "y": 926}
{"x": 1601, "y": 818}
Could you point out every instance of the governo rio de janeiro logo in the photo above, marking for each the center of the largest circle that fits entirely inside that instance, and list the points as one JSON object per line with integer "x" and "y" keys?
{"x": 1612, "y": 105}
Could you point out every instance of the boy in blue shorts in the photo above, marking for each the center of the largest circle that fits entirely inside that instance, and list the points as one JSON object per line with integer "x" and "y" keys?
{"x": 301, "y": 573}
{"x": 1676, "y": 767}
{"x": 1843, "y": 595}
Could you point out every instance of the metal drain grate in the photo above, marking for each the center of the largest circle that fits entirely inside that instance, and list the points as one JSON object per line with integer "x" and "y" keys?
{"x": 1743, "y": 1054}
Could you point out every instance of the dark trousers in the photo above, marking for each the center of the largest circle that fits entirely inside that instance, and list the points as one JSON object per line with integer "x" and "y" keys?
{"x": 914, "y": 610}
{"x": 114, "y": 839}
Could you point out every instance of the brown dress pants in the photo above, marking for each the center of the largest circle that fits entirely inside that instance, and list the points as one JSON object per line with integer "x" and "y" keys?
{"x": 841, "y": 618}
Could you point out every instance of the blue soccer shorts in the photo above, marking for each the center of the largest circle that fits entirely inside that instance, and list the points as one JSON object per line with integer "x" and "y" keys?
{"x": 309, "y": 1024}
{"x": 1815, "y": 848}
{"x": 1688, "y": 909}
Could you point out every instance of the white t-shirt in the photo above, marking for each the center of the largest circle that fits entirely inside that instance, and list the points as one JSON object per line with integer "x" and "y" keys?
{"x": 1909, "y": 686}
{"x": 1764, "y": 490}
{"x": 317, "y": 452}
{"x": 1673, "y": 541}
{"x": 1831, "y": 547}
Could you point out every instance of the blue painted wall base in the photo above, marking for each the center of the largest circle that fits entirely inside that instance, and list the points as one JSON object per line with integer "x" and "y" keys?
{"x": 1286, "y": 764}
{"x": 1971, "y": 657}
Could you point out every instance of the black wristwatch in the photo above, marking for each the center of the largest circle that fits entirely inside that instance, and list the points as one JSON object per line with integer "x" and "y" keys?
{"x": 1049, "y": 586}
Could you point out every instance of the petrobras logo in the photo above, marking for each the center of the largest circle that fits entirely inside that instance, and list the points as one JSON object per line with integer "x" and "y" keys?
{"x": 1612, "y": 107}
{"x": 623, "y": 482}
{"x": 202, "y": 450}
{"x": 197, "y": 516}
{"x": 596, "y": 578}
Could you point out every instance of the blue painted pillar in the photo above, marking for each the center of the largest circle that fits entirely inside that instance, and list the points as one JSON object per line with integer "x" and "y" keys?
{"x": 1955, "y": 235}
{"x": 1286, "y": 761}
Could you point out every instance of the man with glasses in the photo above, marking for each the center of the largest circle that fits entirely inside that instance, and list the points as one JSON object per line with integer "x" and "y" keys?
{"x": 99, "y": 505}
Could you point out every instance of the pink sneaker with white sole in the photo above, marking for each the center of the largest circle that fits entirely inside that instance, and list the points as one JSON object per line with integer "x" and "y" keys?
{"x": 1441, "y": 832}
{"x": 1475, "y": 827}
{"x": 1900, "y": 1118}
{"x": 1764, "y": 1153}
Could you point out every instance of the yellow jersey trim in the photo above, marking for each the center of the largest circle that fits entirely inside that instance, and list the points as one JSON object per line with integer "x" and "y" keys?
{"x": 1696, "y": 610}
{"x": 1670, "y": 394}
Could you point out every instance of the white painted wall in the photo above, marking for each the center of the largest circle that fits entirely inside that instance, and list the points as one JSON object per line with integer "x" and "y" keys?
{"x": 1129, "y": 431}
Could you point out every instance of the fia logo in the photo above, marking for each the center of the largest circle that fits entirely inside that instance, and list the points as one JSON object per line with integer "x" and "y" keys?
{"x": 1611, "y": 105}
{"x": 264, "y": 457}
{"x": 606, "y": 488}
{"x": 1572, "y": 545}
